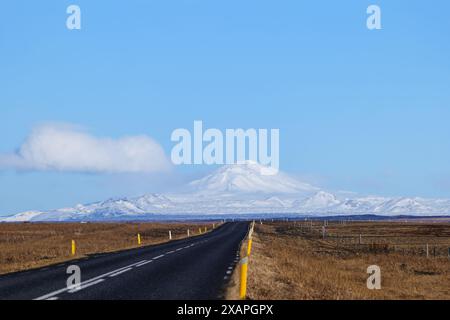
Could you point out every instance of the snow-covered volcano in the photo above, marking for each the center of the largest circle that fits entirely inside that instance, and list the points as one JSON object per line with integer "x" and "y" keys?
{"x": 240, "y": 189}
{"x": 250, "y": 177}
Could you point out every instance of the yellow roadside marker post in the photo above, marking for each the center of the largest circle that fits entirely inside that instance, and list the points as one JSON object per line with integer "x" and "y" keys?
{"x": 244, "y": 264}
{"x": 249, "y": 246}
{"x": 243, "y": 288}
{"x": 199, "y": 230}
{"x": 139, "y": 238}
{"x": 74, "y": 248}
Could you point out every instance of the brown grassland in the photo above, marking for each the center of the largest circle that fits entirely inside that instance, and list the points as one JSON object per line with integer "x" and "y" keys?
{"x": 31, "y": 245}
{"x": 293, "y": 261}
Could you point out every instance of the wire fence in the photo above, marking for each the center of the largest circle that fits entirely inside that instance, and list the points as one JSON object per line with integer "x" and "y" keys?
{"x": 338, "y": 236}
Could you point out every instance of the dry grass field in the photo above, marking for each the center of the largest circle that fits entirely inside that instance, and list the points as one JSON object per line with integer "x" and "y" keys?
{"x": 30, "y": 245}
{"x": 295, "y": 261}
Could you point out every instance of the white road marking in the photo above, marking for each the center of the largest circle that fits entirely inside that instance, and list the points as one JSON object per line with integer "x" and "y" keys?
{"x": 54, "y": 293}
{"x": 51, "y": 294}
{"x": 229, "y": 272}
{"x": 90, "y": 284}
{"x": 99, "y": 279}
{"x": 120, "y": 272}
{"x": 143, "y": 263}
{"x": 170, "y": 252}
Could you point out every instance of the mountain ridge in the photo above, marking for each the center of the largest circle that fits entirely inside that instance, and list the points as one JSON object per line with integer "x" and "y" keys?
{"x": 236, "y": 190}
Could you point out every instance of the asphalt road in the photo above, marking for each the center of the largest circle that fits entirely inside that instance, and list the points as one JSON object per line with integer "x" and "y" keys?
{"x": 196, "y": 268}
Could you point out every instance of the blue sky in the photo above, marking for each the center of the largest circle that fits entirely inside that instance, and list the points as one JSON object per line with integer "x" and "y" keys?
{"x": 359, "y": 110}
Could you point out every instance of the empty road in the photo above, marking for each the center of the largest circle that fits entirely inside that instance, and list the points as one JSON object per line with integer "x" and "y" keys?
{"x": 196, "y": 268}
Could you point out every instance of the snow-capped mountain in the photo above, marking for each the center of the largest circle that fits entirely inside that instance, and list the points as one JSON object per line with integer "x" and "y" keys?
{"x": 249, "y": 178}
{"x": 319, "y": 200}
{"x": 240, "y": 189}
{"x": 23, "y": 216}
{"x": 402, "y": 205}
{"x": 111, "y": 209}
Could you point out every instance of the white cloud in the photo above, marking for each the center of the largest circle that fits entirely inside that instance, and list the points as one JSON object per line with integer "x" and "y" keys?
{"x": 66, "y": 148}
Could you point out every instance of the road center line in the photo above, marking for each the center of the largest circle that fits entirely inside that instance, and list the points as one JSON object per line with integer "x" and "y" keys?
{"x": 54, "y": 293}
{"x": 118, "y": 273}
{"x": 143, "y": 263}
{"x": 86, "y": 286}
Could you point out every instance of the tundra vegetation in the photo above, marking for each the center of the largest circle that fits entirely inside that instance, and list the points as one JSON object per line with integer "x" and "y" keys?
{"x": 296, "y": 260}
{"x": 30, "y": 245}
